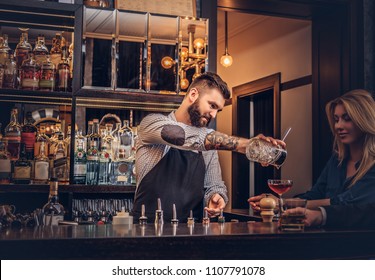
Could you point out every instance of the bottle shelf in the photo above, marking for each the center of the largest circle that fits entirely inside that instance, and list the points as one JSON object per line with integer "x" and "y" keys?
{"x": 10, "y": 188}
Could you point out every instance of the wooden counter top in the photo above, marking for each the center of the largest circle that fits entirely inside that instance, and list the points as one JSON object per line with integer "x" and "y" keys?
{"x": 252, "y": 240}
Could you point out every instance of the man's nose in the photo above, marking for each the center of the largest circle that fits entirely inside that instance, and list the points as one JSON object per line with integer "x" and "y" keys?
{"x": 213, "y": 114}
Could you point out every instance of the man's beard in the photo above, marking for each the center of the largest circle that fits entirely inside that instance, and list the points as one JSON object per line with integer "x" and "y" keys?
{"x": 196, "y": 118}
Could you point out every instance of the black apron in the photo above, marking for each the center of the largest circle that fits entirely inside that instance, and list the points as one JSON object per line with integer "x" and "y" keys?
{"x": 177, "y": 178}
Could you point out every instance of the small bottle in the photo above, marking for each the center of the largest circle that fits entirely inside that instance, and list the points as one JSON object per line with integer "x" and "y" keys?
{"x": 2, "y": 72}
{"x": 104, "y": 165}
{"x": 41, "y": 166}
{"x": 5, "y": 164}
{"x": 28, "y": 135}
{"x": 23, "y": 48}
{"x": 63, "y": 72}
{"x": 22, "y": 168}
{"x": 4, "y": 50}
{"x": 53, "y": 211}
{"x": 126, "y": 139}
{"x": 10, "y": 73}
{"x": 60, "y": 162}
{"x": 13, "y": 135}
{"x": 80, "y": 166}
{"x": 47, "y": 75}
{"x": 40, "y": 51}
{"x": 56, "y": 51}
{"x": 41, "y": 138}
{"x": 92, "y": 164}
{"x": 30, "y": 74}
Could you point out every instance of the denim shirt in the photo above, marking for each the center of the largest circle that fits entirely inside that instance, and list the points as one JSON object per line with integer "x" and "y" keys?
{"x": 332, "y": 183}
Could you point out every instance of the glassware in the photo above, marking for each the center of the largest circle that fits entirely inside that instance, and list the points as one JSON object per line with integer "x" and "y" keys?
{"x": 104, "y": 164}
{"x": 266, "y": 153}
{"x": 2, "y": 71}
{"x": 23, "y": 48}
{"x": 4, "y": 50}
{"x": 80, "y": 166}
{"x": 28, "y": 135}
{"x": 41, "y": 165}
{"x": 13, "y": 135}
{"x": 60, "y": 162}
{"x": 280, "y": 186}
{"x": 10, "y": 73}
{"x": 22, "y": 168}
{"x": 41, "y": 138}
{"x": 126, "y": 139}
{"x": 293, "y": 220}
{"x": 63, "y": 72}
{"x": 53, "y": 211}
{"x": 30, "y": 74}
{"x": 92, "y": 164}
{"x": 40, "y": 51}
{"x": 5, "y": 164}
{"x": 47, "y": 75}
{"x": 56, "y": 50}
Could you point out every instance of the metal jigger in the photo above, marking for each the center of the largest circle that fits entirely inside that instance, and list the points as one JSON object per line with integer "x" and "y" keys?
{"x": 221, "y": 218}
{"x": 206, "y": 219}
{"x": 174, "y": 220}
{"x": 190, "y": 220}
{"x": 159, "y": 220}
{"x": 143, "y": 218}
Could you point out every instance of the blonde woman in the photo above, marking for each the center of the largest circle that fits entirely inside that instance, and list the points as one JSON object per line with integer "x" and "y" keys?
{"x": 349, "y": 175}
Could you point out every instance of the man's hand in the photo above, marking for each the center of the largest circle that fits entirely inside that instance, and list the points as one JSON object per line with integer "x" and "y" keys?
{"x": 215, "y": 204}
{"x": 255, "y": 200}
{"x": 312, "y": 217}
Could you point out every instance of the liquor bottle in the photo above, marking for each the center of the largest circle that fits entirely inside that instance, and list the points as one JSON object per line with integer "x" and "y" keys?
{"x": 22, "y": 168}
{"x": 67, "y": 141}
{"x": 63, "y": 72}
{"x": 40, "y": 50}
{"x": 71, "y": 56}
{"x": 41, "y": 138}
{"x": 47, "y": 75}
{"x": 54, "y": 139}
{"x": 10, "y": 73}
{"x": 4, "y": 50}
{"x": 78, "y": 139}
{"x": 126, "y": 138}
{"x": 92, "y": 164}
{"x": 109, "y": 139}
{"x": 90, "y": 126}
{"x": 23, "y": 48}
{"x": 80, "y": 166}
{"x": 104, "y": 164}
{"x": 13, "y": 135}
{"x": 116, "y": 141}
{"x": 28, "y": 135}
{"x": 95, "y": 136}
{"x": 5, "y": 164}
{"x": 60, "y": 168}
{"x": 56, "y": 51}
{"x": 2, "y": 71}
{"x": 121, "y": 169}
{"x": 53, "y": 211}
{"x": 41, "y": 165}
{"x": 30, "y": 74}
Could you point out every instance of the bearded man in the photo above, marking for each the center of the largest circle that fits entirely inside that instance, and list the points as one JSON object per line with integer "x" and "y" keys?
{"x": 177, "y": 159}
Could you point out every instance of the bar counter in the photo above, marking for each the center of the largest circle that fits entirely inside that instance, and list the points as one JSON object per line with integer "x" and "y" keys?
{"x": 240, "y": 240}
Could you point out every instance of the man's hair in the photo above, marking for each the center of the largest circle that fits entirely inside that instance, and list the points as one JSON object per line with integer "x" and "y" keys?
{"x": 212, "y": 81}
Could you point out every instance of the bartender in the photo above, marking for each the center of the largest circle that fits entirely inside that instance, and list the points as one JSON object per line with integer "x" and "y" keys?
{"x": 177, "y": 159}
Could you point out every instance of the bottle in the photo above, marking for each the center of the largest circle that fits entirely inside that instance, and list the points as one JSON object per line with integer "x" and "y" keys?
{"x": 95, "y": 136}
{"x": 41, "y": 165}
{"x": 47, "y": 75}
{"x": 63, "y": 73}
{"x": 2, "y": 72}
{"x": 30, "y": 74}
{"x": 90, "y": 126}
{"x": 5, "y": 164}
{"x": 22, "y": 168}
{"x": 13, "y": 135}
{"x": 126, "y": 138}
{"x": 41, "y": 138}
{"x": 71, "y": 56}
{"x": 92, "y": 164}
{"x": 28, "y": 135}
{"x": 4, "y": 50}
{"x": 80, "y": 165}
{"x": 116, "y": 141}
{"x": 54, "y": 140}
{"x": 67, "y": 141}
{"x": 121, "y": 169}
{"x": 60, "y": 162}
{"x": 10, "y": 73}
{"x": 56, "y": 51}
{"x": 53, "y": 211}
{"x": 23, "y": 48}
{"x": 40, "y": 51}
{"x": 104, "y": 164}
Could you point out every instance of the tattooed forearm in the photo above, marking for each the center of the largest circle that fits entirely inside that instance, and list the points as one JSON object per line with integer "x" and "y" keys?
{"x": 220, "y": 141}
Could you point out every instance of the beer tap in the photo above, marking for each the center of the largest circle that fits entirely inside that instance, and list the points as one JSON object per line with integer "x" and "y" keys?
{"x": 174, "y": 220}
{"x": 159, "y": 214}
{"x": 190, "y": 220}
{"x": 143, "y": 218}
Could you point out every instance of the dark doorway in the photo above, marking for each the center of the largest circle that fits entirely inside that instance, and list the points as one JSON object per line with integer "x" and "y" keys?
{"x": 256, "y": 109}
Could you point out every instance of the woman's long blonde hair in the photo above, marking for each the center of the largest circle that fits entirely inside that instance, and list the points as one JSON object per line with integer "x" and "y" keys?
{"x": 360, "y": 106}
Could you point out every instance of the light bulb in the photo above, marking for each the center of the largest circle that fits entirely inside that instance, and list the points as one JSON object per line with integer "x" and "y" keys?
{"x": 184, "y": 83}
{"x": 198, "y": 43}
{"x": 167, "y": 62}
{"x": 184, "y": 53}
{"x": 226, "y": 60}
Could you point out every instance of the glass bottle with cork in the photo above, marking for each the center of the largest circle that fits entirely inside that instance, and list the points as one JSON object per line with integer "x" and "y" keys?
{"x": 40, "y": 50}
{"x": 41, "y": 166}
{"x": 30, "y": 73}
{"x": 53, "y": 211}
{"x": 47, "y": 75}
{"x": 63, "y": 72}
{"x": 5, "y": 163}
{"x": 28, "y": 135}
{"x": 22, "y": 168}
{"x": 10, "y": 73}
{"x": 23, "y": 48}
{"x": 13, "y": 135}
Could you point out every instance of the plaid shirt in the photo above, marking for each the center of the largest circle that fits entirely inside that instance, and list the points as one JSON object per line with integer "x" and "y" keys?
{"x": 151, "y": 148}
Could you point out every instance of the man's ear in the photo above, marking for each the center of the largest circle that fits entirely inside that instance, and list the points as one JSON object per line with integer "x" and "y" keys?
{"x": 193, "y": 95}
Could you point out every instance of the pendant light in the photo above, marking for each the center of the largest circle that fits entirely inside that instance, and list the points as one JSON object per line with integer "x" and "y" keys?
{"x": 226, "y": 60}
